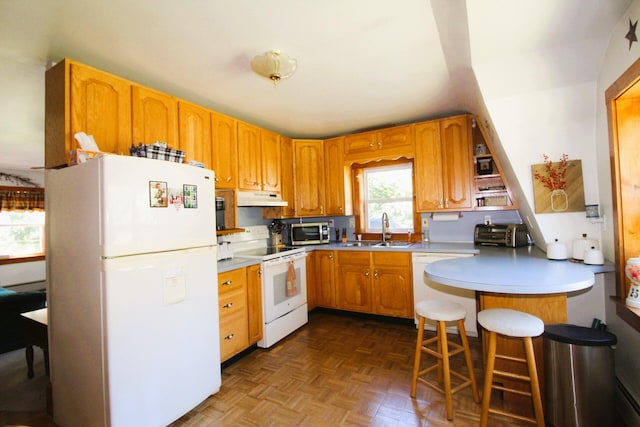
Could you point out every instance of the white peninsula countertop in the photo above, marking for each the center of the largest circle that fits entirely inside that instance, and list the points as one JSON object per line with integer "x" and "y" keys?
{"x": 513, "y": 271}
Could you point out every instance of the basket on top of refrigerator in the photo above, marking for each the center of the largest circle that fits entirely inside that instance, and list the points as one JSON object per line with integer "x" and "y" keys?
{"x": 157, "y": 150}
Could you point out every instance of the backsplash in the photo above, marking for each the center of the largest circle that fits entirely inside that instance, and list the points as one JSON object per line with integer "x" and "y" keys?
{"x": 458, "y": 230}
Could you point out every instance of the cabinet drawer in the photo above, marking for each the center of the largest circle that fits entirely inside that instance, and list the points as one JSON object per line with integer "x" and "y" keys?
{"x": 230, "y": 281}
{"x": 354, "y": 258}
{"x": 233, "y": 302}
{"x": 234, "y": 335}
{"x": 396, "y": 259}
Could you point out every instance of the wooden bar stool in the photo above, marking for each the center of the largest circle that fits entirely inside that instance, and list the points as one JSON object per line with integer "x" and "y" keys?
{"x": 442, "y": 312}
{"x": 511, "y": 323}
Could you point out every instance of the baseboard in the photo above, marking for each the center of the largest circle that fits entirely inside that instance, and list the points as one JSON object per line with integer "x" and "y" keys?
{"x": 627, "y": 407}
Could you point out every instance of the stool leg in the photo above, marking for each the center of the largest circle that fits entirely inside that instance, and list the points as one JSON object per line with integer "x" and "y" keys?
{"x": 488, "y": 380}
{"x": 418, "y": 355}
{"x": 535, "y": 385}
{"x": 467, "y": 356}
{"x": 442, "y": 339}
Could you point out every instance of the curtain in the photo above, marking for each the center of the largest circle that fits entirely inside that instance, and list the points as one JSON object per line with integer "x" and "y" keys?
{"x": 21, "y": 199}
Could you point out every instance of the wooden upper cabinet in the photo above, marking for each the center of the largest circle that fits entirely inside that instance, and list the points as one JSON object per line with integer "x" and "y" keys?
{"x": 155, "y": 117}
{"x": 79, "y": 98}
{"x": 101, "y": 106}
{"x": 457, "y": 165}
{"x": 337, "y": 182}
{"x": 259, "y": 164}
{"x": 428, "y": 167}
{"x": 288, "y": 186}
{"x": 224, "y": 140}
{"x": 249, "y": 157}
{"x": 195, "y": 133}
{"x": 271, "y": 163}
{"x": 309, "y": 177}
{"x": 390, "y": 143}
{"x": 443, "y": 165}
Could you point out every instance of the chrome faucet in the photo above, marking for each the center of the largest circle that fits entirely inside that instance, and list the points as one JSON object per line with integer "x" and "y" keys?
{"x": 385, "y": 226}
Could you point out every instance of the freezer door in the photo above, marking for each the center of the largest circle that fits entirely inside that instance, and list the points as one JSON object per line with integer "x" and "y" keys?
{"x": 154, "y": 205}
{"x": 162, "y": 335}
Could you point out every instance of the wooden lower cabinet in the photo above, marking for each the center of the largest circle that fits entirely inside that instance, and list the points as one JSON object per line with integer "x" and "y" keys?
{"x": 240, "y": 310}
{"x": 374, "y": 282}
{"x": 254, "y": 300}
{"x": 325, "y": 278}
{"x": 392, "y": 284}
{"x": 353, "y": 281}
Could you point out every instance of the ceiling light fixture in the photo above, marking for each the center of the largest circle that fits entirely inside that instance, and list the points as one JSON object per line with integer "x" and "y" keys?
{"x": 274, "y": 65}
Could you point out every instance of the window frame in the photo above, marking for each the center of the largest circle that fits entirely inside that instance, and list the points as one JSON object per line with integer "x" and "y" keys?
{"x": 357, "y": 177}
{"x": 31, "y": 257}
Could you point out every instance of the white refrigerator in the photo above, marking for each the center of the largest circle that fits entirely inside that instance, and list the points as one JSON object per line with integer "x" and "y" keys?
{"x": 132, "y": 291}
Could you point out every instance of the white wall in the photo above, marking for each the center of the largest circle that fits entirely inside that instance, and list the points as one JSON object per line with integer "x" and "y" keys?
{"x": 617, "y": 59}
{"x": 540, "y": 104}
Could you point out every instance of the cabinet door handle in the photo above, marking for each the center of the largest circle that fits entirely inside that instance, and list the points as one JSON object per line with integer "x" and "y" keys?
{"x": 228, "y": 305}
{"x": 330, "y": 256}
{"x": 216, "y": 179}
{"x": 321, "y": 209}
{"x": 228, "y": 179}
{"x": 446, "y": 203}
{"x": 366, "y": 273}
{"x": 379, "y": 144}
{"x": 229, "y": 337}
{"x": 226, "y": 283}
{"x": 371, "y": 145}
{"x": 375, "y": 274}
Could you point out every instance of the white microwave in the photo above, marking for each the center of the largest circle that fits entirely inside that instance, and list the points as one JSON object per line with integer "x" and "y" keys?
{"x": 311, "y": 233}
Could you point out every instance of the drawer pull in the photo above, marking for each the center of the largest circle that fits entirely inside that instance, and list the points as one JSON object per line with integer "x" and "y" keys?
{"x": 226, "y": 282}
{"x": 228, "y": 305}
{"x": 229, "y": 337}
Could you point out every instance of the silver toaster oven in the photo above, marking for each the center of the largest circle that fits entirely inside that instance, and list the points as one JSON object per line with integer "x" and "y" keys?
{"x": 510, "y": 235}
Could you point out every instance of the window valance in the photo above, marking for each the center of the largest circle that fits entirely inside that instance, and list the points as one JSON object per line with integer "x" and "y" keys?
{"x": 21, "y": 199}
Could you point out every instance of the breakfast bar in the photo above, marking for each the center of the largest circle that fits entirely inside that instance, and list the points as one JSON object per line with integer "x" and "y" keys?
{"x": 520, "y": 279}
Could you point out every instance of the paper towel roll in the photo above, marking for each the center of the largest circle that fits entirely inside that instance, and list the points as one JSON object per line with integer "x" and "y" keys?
{"x": 445, "y": 216}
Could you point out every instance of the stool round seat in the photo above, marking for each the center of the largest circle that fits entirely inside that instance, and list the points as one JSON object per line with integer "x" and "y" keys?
{"x": 511, "y": 323}
{"x": 440, "y": 310}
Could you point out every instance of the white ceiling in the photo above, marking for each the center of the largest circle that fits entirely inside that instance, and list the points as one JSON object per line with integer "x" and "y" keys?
{"x": 361, "y": 63}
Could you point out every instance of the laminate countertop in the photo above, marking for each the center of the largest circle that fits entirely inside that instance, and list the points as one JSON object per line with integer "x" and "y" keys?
{"x": 514, "y": 271}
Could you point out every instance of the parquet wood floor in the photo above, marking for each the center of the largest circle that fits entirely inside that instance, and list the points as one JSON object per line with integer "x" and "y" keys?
{"x": 339, "y": 370}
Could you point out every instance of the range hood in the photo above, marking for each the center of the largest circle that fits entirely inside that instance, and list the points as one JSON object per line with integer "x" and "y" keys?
{"x": 259, "y": 198}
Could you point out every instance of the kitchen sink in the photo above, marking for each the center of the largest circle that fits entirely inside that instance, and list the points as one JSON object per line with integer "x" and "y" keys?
{"x": 392, "y": 244}
{"x": 361, "y": 243}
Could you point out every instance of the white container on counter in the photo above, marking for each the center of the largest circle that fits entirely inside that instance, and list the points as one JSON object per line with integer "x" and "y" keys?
{"x": 581, "y": 245}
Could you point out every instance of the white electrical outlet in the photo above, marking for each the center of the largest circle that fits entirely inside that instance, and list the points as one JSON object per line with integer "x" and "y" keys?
{"x": 352, "y": 222}
{"x": 487, "y": 219}
{"x": 331, "y": 223}
{"x": 425, "y": 222}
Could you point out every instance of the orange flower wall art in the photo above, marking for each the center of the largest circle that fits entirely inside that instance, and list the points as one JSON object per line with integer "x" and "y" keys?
{"x": 558, "y": 186}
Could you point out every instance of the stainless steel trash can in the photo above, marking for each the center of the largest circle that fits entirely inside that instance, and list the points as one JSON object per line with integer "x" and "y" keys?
{"x": 579, "y": 376}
